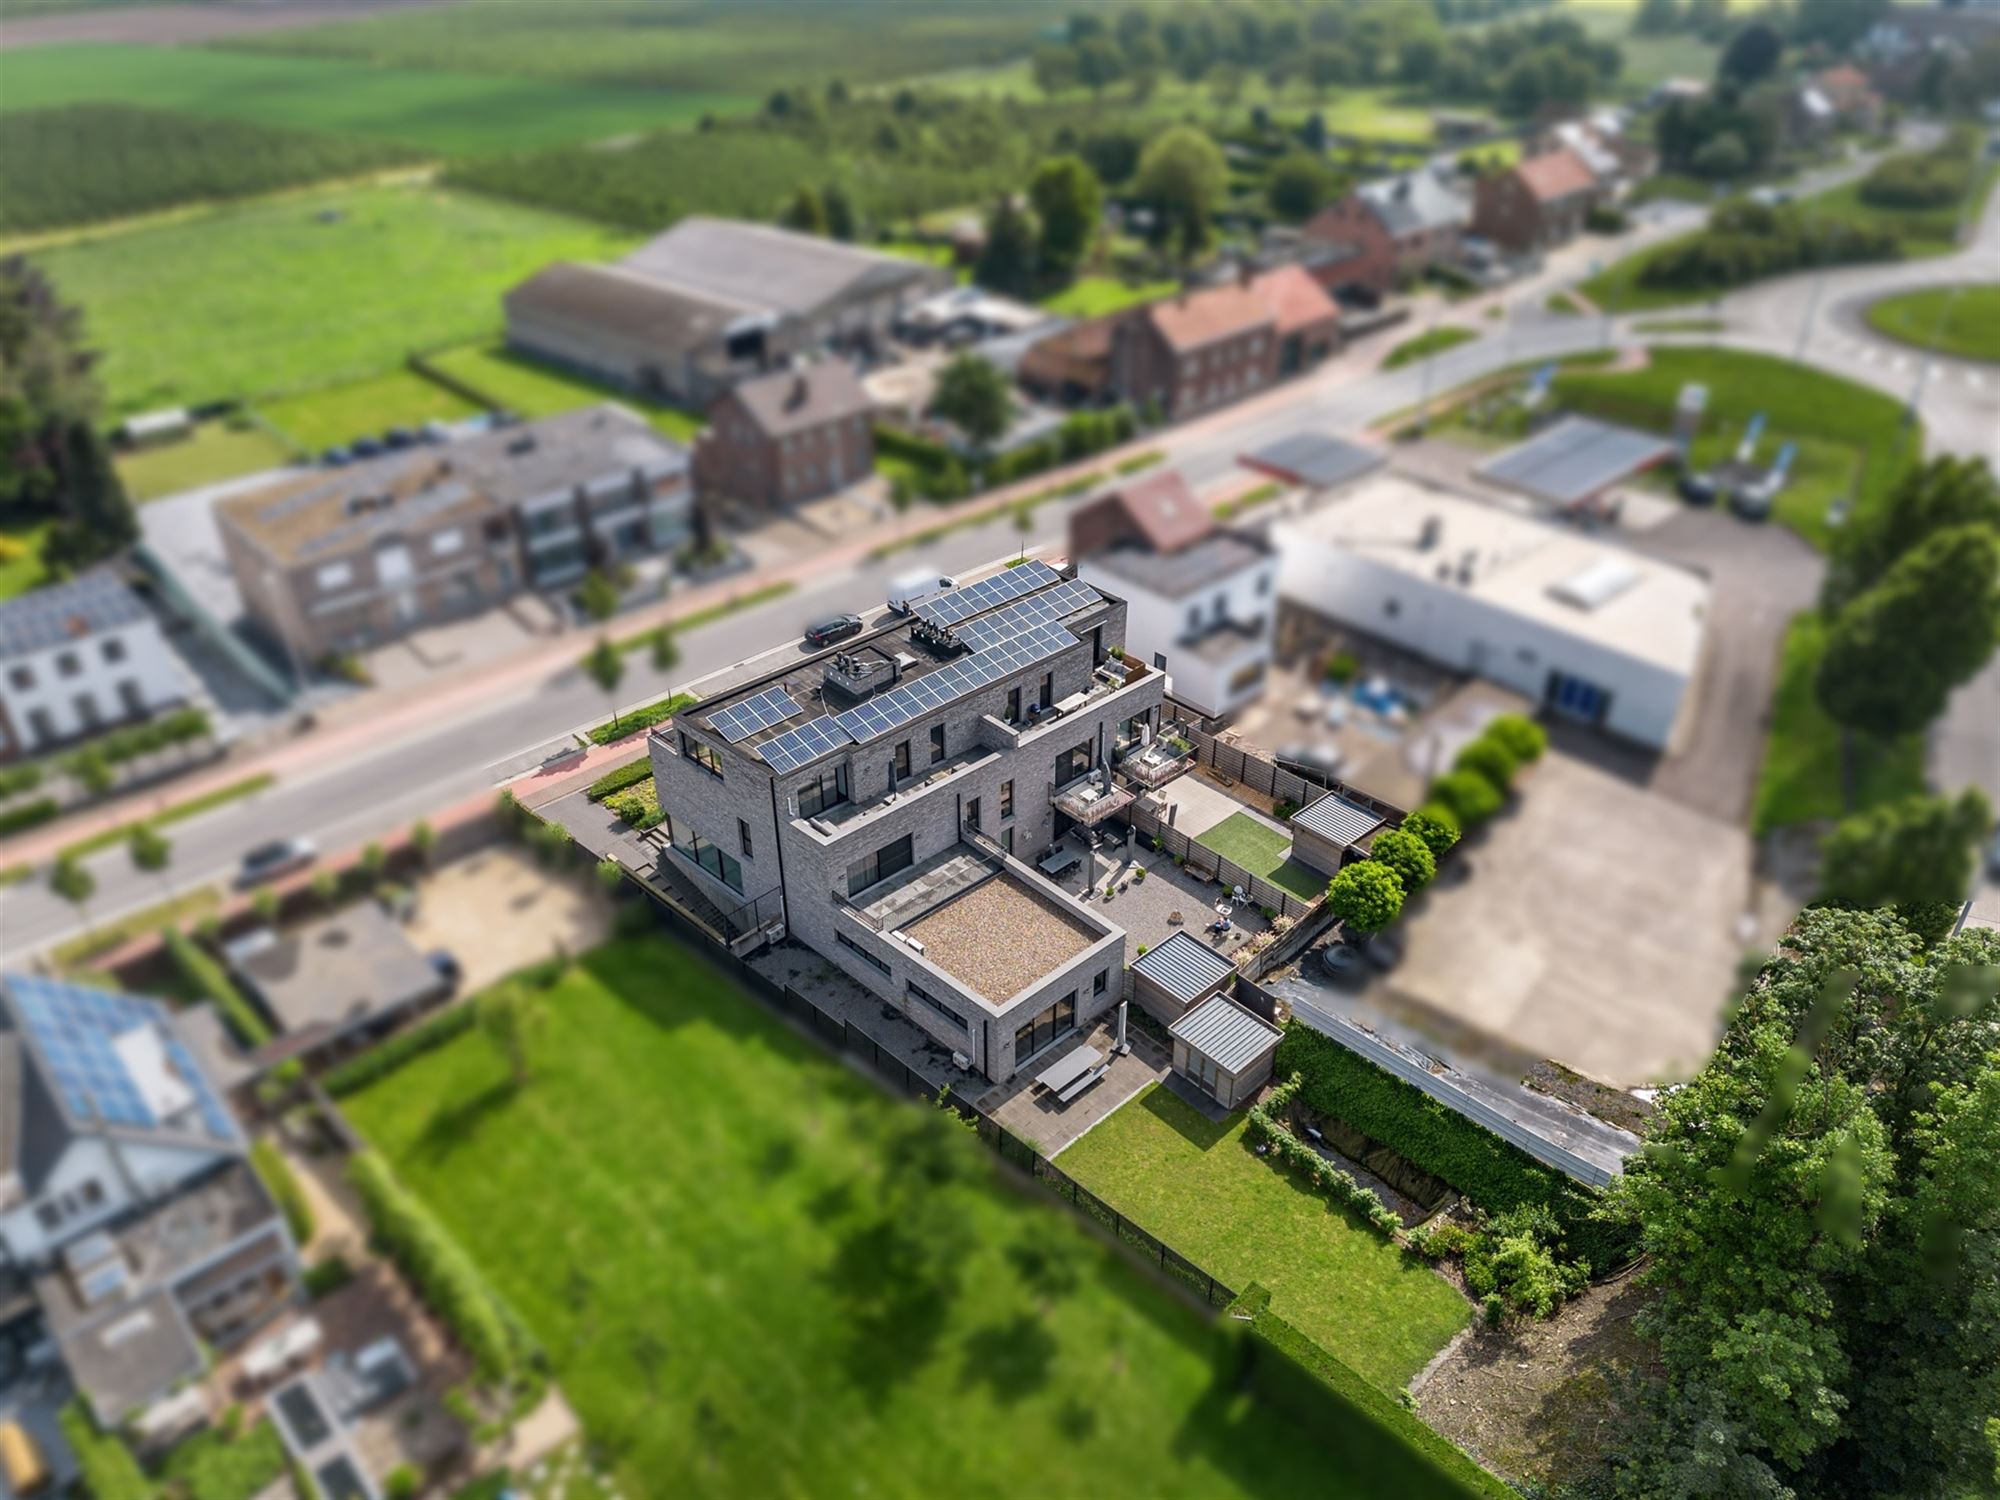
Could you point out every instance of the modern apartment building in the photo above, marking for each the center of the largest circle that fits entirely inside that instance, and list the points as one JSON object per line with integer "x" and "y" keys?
{"x": 889, "y": 801}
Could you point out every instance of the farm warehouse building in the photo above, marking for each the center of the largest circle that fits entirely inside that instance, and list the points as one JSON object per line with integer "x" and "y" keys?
{"x": 1592, "y": 631}
{"x": 712, "y": 302}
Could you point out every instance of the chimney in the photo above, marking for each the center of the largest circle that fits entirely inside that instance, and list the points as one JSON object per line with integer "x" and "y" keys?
{"x": 798, "y": 396}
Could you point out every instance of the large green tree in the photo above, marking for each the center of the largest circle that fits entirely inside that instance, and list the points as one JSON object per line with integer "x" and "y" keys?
{"x": 1182, "y": 177}
{"x": 1933, "y": 497}
{"x": 1918, "y": 855}
{"x": 973, "y": 395}
{"x": 1069, "y": 201}
{"x": 1007, "y": 260}
{"x": 1299, "y": 185}
{"x": 1895, "y": 653}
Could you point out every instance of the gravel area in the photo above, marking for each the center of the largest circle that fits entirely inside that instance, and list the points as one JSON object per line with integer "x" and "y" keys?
{"x": 997, "y": 939}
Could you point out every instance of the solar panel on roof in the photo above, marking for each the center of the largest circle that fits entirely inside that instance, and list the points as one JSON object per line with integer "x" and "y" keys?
{"x": 971, "y": 599}
{"x": 899, "y": 706}
{"x": 1066, "y": 598}
{"x": 804, "y": 745}
{"x": 741, "y": 720}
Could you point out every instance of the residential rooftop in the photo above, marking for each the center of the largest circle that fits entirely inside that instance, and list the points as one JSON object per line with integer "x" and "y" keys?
{"x": 999, "y": 937}
{"x": 46, "y": 618}
{"x": 1174, "y": 575}
{"x": 333, "y": 974}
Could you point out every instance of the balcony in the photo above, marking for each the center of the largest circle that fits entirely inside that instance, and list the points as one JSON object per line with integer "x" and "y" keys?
{"x": 1151, "y": 766}
{"x": 1092, "y": 798}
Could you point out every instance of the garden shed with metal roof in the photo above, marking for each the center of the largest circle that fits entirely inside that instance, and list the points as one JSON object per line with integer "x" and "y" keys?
{"x": 1171, "y": 979}
{"x": 1226, "y": 1048}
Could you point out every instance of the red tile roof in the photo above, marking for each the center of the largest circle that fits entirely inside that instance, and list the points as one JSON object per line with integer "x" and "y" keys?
{"x": 1296, "y": 301}
{"x": 1218, "y": 312}
{"x": 1844, "y": 79}
{"x": 1556, "y": 174}
{"x": 1165, "y": 511}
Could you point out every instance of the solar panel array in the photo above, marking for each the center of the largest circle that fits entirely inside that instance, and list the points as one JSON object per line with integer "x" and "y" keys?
{"x": 913, "y": 700}
{"x": 804, "y": 745}
{"x": 741, "y": 720}
{"x": 1045, "y": 608}
{"x": 74, "y": 1028}
{"x": 972, "y": 599}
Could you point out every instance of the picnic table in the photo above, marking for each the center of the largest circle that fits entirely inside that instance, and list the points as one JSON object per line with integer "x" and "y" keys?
{"x": 1070, "y": 1075}
{"x": 1062, "y": 858}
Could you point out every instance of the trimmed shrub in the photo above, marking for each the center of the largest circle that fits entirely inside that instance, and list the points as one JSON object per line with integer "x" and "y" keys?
{"x": 1367, "y": 896}
{"x": 22, "y": 778}
{"x": 110, "y": 1472}
{"x": 642, "y": 718}
{"x": 207, "y": 976}
{"x": 380, "y": 1061}
{"x": 1408, "y": 855}
{"x": 1267, "y": 1125}
{"x": 276, "y": 1175}
{"x": 1468, "y": 796}
{"x": 1436, "y": 827}
{"x": 28, "y": 815}
{"x": 327, "y": 1277}
{"x": 1487, "y": 757}
{"x": 1520, "y": 736}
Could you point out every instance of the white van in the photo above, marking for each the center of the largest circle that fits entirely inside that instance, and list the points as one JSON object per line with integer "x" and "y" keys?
{"x": 908, "y": 588}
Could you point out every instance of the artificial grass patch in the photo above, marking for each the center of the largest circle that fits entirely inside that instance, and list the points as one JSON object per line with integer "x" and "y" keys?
{"x": 1266, "y": 853}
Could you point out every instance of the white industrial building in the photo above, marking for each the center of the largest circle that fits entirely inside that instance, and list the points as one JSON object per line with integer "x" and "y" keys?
{"x": 1593, "y": 632}
{"x": 77, "y": 658}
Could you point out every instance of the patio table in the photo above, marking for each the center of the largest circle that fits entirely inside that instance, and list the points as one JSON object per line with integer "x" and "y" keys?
{"x": 1064, "y": 1071}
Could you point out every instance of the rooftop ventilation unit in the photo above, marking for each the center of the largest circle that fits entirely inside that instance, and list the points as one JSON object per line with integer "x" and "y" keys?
{"x": 1597, "y": 585}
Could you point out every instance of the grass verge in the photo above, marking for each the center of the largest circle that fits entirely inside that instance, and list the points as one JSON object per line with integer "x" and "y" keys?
{"x": 1424, "y": 345}
{"x": 194, "y": 807}
{"x": 1964, "y": 320}
{"x": 176, "y": 911}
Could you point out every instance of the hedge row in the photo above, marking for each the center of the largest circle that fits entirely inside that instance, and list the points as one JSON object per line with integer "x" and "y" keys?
{"x": 22, "y": 778}
{"x": 283, "y": 1186}
{"x": 202, "y": 971}
{"x": 28, "y": 815}
{"x": 176, "y": 728}
{"x": 380, "y": 1061}
{"x": 1493, "y": 1173}
{"x": 443, "y": 1274}
{"x": 612, "y": 782}
{"x": 1387, "y": 1449}
{"x": 1267, "y": 1124}
{"x": 643, "y": 718}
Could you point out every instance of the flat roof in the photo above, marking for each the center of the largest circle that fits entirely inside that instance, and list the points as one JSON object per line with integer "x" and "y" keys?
{"x": 1575, "y": 459}
{"x": 999, "y": 937}
{"x": 1185, "y": 967}
{"x": 1228, "y": 1034}
{"x": 1337, "y": 820}
{"x": 1514, "y": 562}
{"x": 1174, "y": 575}
{"x": 341, "y": 971}
{"x": 1316, "y": 459}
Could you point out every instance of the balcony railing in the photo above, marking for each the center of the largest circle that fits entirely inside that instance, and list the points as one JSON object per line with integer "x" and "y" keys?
{"x": 1151, "y": 766}
{"x": 1092, "y": 798}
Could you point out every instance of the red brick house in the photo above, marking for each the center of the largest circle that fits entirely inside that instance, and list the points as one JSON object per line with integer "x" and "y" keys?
{"x": 1853, "y": 98}
{"x": 1536, "y": 204}
{"x": 1401, "y": 226}
{"x": 790, "y": 436}
{"x": 1353, "y": 225}
{"x": 1203, "y": 349}
{"x": 1305, "y": 319}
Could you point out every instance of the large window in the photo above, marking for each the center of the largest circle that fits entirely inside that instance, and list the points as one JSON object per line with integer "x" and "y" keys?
{"x": 937, "y": 743}
{"x": 705, "y": 756}
{"x": 828, "y": 789}
{"x": 692, "y": 847}
{"x": 1058, "y": 1021}
{"x": 1072, "y": 763}
{"x": 879, "y": 866}
{"x": 1007, "y": 799}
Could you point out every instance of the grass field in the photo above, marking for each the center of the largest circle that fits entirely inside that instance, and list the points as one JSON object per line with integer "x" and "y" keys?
{"x": 757, "y": 1275}
{"x": 533, "y": 389}
{"x": 1264, "y": 852}
{"x": 1952, "y": 320}
{"x": 266, "y": 299}
{"x": 1800, "y": 780}
{"x": 1850, "y": 437}
{"x": 215, "y": 451}
{"x": 21, "y": 564}
{"x": 448, "y": 112}
{"x": 337, "y": 415}
{"x": 1424, "y": 345}
{"x": 1095, "y": 296}
{"x": 1197, "y": 1185}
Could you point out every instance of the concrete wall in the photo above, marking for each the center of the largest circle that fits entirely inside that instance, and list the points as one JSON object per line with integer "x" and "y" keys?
{"x": 1155, "y": 624}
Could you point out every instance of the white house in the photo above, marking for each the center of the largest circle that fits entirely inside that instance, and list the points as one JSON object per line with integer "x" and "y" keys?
{"x": 79, "y": 657}
{"x": 1591, "y": 631}
{"x": 1201, "y": 601}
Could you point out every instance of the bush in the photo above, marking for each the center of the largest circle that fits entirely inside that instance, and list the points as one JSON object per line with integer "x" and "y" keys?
{"x": 1367, "y": 896}
{"x": 276, "y": 1175}
{"x": 1469, "y": 797}
{"x": 207, "y": 976}
{"x": 1267, "y": 1125}
{"x": 442, "y": 1273}
{"x": 327, "y": 1277}
{"x": 1408, "y": 855}
{"x": 1489, "y": 758}
{"x": 642, "y": 718}
{"x": 1520, "y": 736}
{"x": 403, "y": 1482}
{"x": 1517, "y": 1257}
{"x": 1436, "y": 828}
{"x": 22, "y": 778}
{"x": 109, "y": 1471}
{"x": 1746, "y": 241}
{"x": 380, "y": 1061}
{"x": 1495, "y": 1175}
{"x": 1343, "y": 667}
{"x": 28, "y": 815}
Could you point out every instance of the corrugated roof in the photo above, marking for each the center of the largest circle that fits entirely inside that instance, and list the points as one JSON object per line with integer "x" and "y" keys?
{"x": 1184, "y": 967}
{"x": 671, "y": 319}
{"x": 765, "y": 267}
{"x": 1335, "y": 818}
{"x": 1575, "y": 459}
{"x": 1226, "y": 1033}
{"x": 1315, "y": 459}
{"x": 46, "y": 618}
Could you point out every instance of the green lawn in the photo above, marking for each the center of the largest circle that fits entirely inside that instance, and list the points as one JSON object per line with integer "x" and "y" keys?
{"x": 21, "y": 564}
{"x": 1264, "y": 852}
{"x": 291, "y": 294}
{"x": 1953, "y": 320}
{"x": 755, "y": 1274}
{"x": 213, "y": 452}
{"x": 1094, "y": 296}
{"x": 1198, "y": 1186}
{"x": 449, "y": 112}
{"x": 1424, "y": 345}
{"x": 1850, "y": 437}
{"x": 1800, "y": 781}
{"x": 534, "y": 389}
{"x": 339, "y": 414}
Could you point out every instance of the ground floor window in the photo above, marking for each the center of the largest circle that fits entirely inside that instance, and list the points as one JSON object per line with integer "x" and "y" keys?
{"x": 1059, "y": 1020}
{"x": 924, "y": 997}
{"x": 862, "y": 953}
{"x": 693, "y": 847}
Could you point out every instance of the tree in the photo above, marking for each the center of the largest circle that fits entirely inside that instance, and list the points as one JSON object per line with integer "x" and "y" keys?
{"x": 1055, "y": 70}
{"x": 1182, "y": 177}
{"x": 1895, "y": 654}
{"x": 512, "y": 1014}
{"x": 1919, "y": 855}
{"x": 1408, "y": 855}
{"x": 1367, "y": 896}
{"x": 605, "y": 666}
{"x": 150, "y": 852}
{"x": 1298, "y": 186}
{"x": 1098, "y": 64}
{"x": 1024, "y": 524}
{"x": 1752, "y": 54}
{"x": 841, "y": 220}
{"x": 1069, "y": 203}
{"x": 1488, "y": 758}
{"x": 1520, "y": 736}
{"x": 326, "y": 888}
{"x": 1837, "y": 23}
{"x": 972, "y": 394}
{"x": 598, "y": 595}
{"x": 374, "y": 863}
{"x": 1946, "y": 492}
{"x": 1007, "y": 260}
{"x": 806, "y": 212}
{"x": 1657, "y": 17}
{"x": 1439, "y": 833}
{"x": 76, "y": 885}
{"x": 666, "y": 651}
{"x": 1468, "y": 796}
{"x": 93, "y": 770}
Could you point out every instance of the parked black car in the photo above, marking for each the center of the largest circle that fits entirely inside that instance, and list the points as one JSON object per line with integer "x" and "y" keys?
{"x": 839, "y": 628}
{"x": 1697, "y": 489}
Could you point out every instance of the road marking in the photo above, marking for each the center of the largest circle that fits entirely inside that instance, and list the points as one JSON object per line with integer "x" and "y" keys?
{"x": 1900, "y": 363}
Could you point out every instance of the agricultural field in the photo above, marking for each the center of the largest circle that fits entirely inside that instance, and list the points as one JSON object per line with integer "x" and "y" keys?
{"x": 439, "y": 113}
{"x": 83, "y": 163}
{"x": 746, "y": 47}
{"x": 1851, "y": 438}
{"x": 530, "y": 388}
{"x": 708, "y": 1221}
{"x": 290, "y": 294}
{"x": 1198, "y": 1185}
{"x": 1964, "y": 321}
{"x": 213, "y": 452}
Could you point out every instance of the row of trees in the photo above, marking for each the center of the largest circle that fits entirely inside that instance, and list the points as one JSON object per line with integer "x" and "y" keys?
{"x": 1746, "y": 241}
